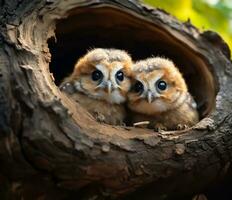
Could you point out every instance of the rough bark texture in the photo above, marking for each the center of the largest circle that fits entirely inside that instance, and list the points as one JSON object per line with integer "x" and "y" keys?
{"x": 50, "y": 148}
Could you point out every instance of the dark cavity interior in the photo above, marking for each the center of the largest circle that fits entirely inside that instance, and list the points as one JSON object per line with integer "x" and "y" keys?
{"x": 106, "y": 27}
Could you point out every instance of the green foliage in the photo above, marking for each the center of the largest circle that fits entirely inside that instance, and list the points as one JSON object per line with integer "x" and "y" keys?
{"x": 214, "y": 15}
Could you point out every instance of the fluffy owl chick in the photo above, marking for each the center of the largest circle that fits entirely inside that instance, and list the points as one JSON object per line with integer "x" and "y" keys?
{"x": 100, "y": 82}
{"x": 159, "y": 95}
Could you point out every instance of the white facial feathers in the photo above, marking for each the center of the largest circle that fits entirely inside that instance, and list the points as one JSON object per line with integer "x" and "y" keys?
{"x": 149, "y": 84}
{"x": 109, "y": 75}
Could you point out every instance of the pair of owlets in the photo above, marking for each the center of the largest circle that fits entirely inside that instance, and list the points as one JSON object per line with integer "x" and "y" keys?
{"x": 106, "y": 81}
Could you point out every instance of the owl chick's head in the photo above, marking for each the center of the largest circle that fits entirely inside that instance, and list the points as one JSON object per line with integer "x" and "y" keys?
{"x": 103, "y": 74}
{"x": 157, "y": 86}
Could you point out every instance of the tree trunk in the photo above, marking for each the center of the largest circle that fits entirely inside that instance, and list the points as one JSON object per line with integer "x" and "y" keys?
{"x": 51, "y": 148}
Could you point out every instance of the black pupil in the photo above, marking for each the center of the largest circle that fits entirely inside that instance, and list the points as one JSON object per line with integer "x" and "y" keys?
{"x": 120, "y": 75}
{"x": 97, "y": 75}
{"x": 162, "y": 85}
{"x": 138, "y": 87}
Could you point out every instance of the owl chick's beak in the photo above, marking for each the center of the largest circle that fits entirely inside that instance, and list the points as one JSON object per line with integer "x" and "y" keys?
{"x": 149, "y": 97}
{"x": 109, "y": 87}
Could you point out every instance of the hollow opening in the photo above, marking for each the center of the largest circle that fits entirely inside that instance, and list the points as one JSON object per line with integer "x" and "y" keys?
{"x": 107, "y": 27}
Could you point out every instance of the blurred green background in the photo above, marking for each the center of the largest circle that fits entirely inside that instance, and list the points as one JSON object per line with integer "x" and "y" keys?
{"x": 213, "y": 15}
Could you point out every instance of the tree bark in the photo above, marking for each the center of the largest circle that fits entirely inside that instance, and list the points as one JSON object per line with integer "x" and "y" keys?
{"x": 51, "y": 148}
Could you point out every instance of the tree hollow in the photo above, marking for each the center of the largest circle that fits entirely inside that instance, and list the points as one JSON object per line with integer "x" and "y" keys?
{"x": 48, "y": 140}
{"x": 110, "y": 27}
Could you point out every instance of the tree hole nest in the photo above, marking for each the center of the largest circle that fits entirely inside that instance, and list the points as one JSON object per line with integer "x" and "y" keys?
{"x": 49, "y": 133}
{"x": 108, "y": 27}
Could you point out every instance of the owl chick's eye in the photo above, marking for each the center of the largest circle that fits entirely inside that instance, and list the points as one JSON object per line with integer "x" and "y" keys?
{"x": 161, "y": 85}
{"x": 119, "y": 75}
{"x": 138, "y": 87}
{"x": 97, "y": 75}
